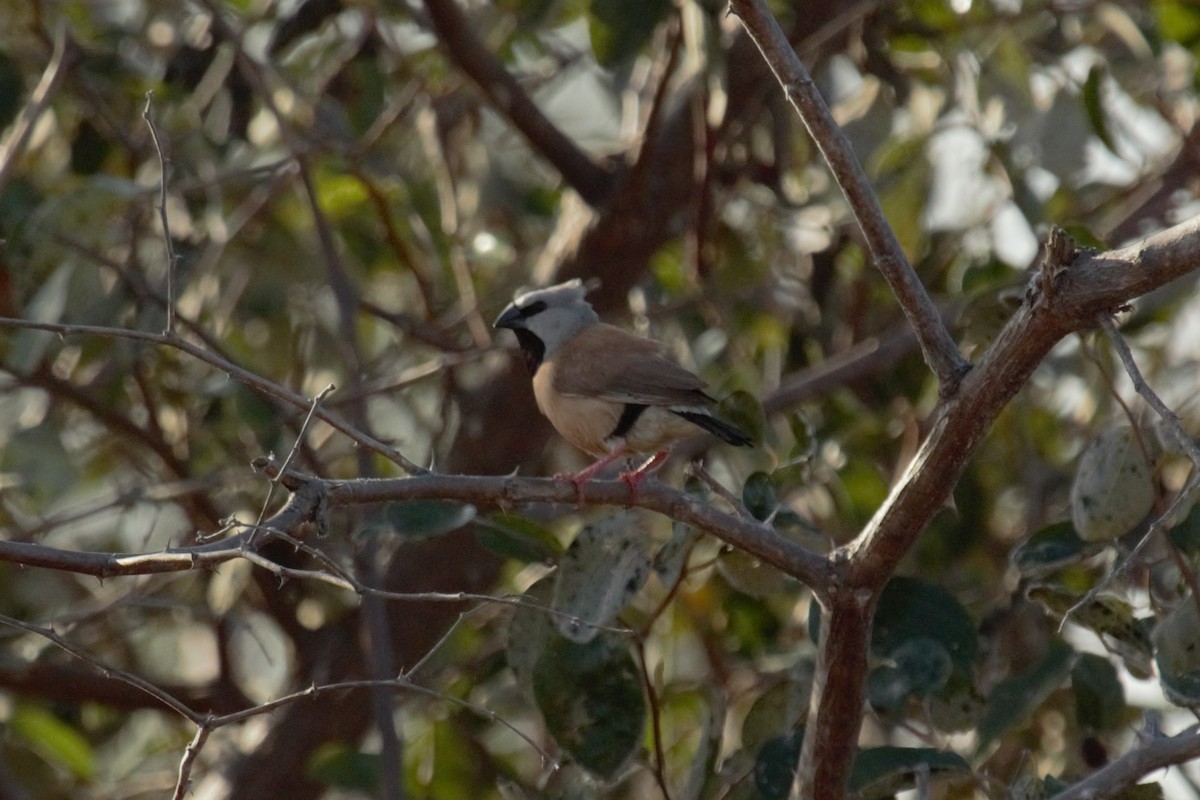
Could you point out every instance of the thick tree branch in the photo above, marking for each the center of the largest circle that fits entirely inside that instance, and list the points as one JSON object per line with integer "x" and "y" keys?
{"x": 314, "y": 496}
{"x": 1069, "y": 292}
{"x": 938, "y": 346}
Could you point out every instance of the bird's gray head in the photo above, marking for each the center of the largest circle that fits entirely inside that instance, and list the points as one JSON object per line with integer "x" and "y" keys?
{"x": 545, "y": 319}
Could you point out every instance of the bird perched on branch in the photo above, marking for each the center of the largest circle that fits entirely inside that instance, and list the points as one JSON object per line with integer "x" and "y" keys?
{"x": 608, "y": 392}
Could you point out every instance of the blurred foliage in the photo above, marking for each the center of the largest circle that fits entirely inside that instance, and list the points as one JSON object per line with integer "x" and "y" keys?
{"x": 979, "y": 122}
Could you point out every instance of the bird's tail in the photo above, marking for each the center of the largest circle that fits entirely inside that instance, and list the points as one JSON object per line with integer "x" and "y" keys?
{"x": 719, "y": 428}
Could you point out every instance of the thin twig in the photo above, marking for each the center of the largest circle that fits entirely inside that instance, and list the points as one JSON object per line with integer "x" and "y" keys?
{"x": 1169, "y": 418}
{"x": 238, "y": 373}
{"x": 190, "y": 754}
{"x": 165, "y": 167}
{"x": 112, "y": 672}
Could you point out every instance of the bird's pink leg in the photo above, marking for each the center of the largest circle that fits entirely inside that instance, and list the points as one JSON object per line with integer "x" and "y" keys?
{"x": 589, "y": 472}
{"x": 634, "y": 479}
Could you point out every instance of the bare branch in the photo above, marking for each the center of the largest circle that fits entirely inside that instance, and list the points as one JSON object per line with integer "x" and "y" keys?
{"x": 938, "y": 346}
{"x": 190, "y": 754}
{"x": 164, "y": 165}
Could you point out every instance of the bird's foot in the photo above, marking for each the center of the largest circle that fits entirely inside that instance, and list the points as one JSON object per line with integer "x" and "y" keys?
{"x": 633, "y": 478}
{"x": 575, "y": 479}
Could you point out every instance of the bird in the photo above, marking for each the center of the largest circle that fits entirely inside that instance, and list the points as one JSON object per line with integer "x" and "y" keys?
{"x": 608, "y": 392}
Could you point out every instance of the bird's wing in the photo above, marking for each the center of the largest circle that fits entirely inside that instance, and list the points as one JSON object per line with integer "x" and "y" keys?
{"x": 608, "y": 363}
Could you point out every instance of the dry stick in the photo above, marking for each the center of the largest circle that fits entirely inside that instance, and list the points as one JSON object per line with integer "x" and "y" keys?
{"x": 190, "y": 754}
{"x": 240, "y": 374}
{"x": 937, "y": 345}
{"x": 112, "y": 672}
{"x": 172, "y": 259}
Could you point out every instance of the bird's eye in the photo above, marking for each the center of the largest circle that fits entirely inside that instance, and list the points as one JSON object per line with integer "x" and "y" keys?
{"x": 534, "y": 308}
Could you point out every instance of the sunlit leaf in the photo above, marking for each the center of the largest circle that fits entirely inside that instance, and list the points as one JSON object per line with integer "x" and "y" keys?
{"x": 604, "y": 567}
{"x": 1177, "y": 653}
{"x": 1114, "y": 486}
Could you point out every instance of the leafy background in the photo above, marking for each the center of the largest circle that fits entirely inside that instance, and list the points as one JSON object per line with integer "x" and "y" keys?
{"x": 351, "y": 198}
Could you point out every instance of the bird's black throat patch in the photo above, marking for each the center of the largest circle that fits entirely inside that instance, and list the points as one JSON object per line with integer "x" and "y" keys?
{"x": 629, "y": 416}
{"x": 532, "y": 347}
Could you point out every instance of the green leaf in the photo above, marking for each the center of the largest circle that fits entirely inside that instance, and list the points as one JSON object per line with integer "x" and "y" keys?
{"x": 420, "y": 519}
{"x": 781, "y": 707}
{"x": 910, "y": 609}
{"x": 1099, "y": 696}
{"x": 880, "y": 772}
{"x": 758, "y": 495}
{"x": 341, "y": 765}
{"x": 1014, "y": 700}
{"x": 53, "y": 739}
{"x": 1093, "y": 103}
{"x": 619, "y": 28}
{"x": 517, "y": 538}
{"x": 1049, "y": 550}
{"x": 605, "y": 566}
{"x": 750, "y": 576}
{"x": 590, "y": 696}
{"x": 1186, "y": 535}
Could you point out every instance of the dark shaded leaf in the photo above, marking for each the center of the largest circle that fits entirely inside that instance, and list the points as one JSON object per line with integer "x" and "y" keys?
{"x": 590, "y": 696}
{"x": 1099, "y": 696}
{"x": 775, "y": 766}
{"x": 421, "y": 519}
{"x": 912, "y": 609}
{"x": 619, "y": 28}
{"x": 344, "y": 766}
